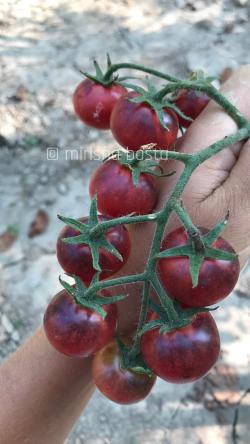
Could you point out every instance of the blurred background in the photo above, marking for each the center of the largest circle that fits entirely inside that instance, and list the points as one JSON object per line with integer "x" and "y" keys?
{"x": 43, "y": 44}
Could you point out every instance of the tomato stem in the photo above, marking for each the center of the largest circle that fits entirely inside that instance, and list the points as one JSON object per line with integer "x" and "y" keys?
{"x": 115, "y": 67}
{"x": 211, "y": 91}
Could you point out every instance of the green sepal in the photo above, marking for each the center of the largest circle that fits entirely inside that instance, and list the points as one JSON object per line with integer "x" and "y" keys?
{"x": 103, "y": 243}
{"x": 73, "y": 223}
{"x": 214, "y": 233}
{"x": 99, "y": 73}
{"x": 75, "y": 240}
{"x": 93, "y": 215}
{"x": 178, "y": 111}
{"x": 150, "y": 326}
{"x": 168, "y": 328}
{"x": 184, "y": 250}
{"x": 132, "y": 362}
{"x": 106, "y": 300}
{"x": 109, "y": 63}
{"x": 100, "y": 77}
{"x": 223, "y": 255}
{"x": 95, "y": 255}
{"x": 157, "y": 308}
{"x": 195, "y": 262}
{"x": 94, "y": 302}
{"x": 138, "y": 166}
{"x": 89, "y": 237}
{"x": 67, "y": 287}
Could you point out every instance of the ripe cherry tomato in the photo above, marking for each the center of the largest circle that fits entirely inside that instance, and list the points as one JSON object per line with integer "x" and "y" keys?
{"x": 75, "y": 330}
{"x": 191, "y": 103}
{"x": 120, "y": 386}
{"x": 93, "y": 102}
{"x": 137, "y": 124}
{"x": 185, "y": 354}
{"x": 117, "y": 195}
{"x": 217, "y": 278}
{"x": 77, "y": 259}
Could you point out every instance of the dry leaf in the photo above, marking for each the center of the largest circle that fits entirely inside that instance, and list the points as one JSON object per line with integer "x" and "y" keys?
{"x": 39, "y": 224}
{"x": 7, "y": 239}
{"x": 21, "y": 94}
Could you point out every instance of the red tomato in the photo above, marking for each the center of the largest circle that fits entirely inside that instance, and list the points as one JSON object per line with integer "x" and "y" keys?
{"x": 191, "y": 104}
{"x": 117, "y": 195}
{"x": 93, "y": 102}
{"x": 185, "y": 354}
{"x": 77, "y": 259}
{"x": 137, "y": 124}
{"x": 78, "y": 331}
{"x": 118, "y": 385}
{"x": 217, "y": 278}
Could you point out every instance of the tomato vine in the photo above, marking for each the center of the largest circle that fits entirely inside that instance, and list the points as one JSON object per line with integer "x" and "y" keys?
{"x": 199, "y": 246}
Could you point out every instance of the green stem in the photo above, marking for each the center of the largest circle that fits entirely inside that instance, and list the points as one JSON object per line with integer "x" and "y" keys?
{"x": 211, "y": 91}
{"x": 165, "y": 300}
{"x": 165, "y": 155}
{"x": 142, "y": 318}
{"x": 115, "y": 67}
{"x": 101, "y": 285}
{"x": 184, "y": 217}
{"x": 126, "y": 220}
{"x": 216, "y": 147}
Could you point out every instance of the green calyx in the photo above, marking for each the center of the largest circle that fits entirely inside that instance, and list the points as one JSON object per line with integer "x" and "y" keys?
{"x": 104, "y": 78}
{"x": 198, "y": 248}
{"x": 86, "y": 299}
{"x": 166, "y": 324}
{"x": 130, "y": 360}
{"x": 89, "y": 236}
{"x": 136, "y": 162}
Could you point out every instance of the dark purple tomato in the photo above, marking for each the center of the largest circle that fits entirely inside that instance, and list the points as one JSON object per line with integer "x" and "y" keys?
{"x": 191, "y": 103}
{"x": 75, "y": 330}
{"x": 217, "y": 278}
{"x": 117, "y": 195}
{"x": 118, "y": 385}
{"x": 185, "y": 354}
{"x": 93, "y": 102}
{"x": 77, "y": 259}
{"x": 137, "y": 124}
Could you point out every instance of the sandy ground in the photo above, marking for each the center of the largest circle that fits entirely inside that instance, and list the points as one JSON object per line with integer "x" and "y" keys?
{"x": 42, "y": 46}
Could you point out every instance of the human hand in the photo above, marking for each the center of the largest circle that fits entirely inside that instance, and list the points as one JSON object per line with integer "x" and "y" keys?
{"x": 222, "y": 183}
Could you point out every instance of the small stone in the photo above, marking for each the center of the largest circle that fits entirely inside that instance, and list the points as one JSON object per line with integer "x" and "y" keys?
{"x": 7, "y": 325}
{"x": 103, "y": 419}
{"x": 44, "y": 179}
{"x": 62, "y": 188}
{"x": 15, "y": 336}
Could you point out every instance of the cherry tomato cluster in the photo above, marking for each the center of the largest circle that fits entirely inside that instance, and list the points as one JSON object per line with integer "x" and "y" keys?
{"x": 80, "y": 329}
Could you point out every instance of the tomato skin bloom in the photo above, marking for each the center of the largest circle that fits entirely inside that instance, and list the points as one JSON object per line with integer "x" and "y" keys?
{"x": 136, "y": 124}
{"x": 77, "y": 259}
{"x": 185, "y": 354}
{"x": 93, "y": 102}
{"x": 118, "y": 385}
{"x": 78, "y": 331}
{"x": 191, "y": 103}
{"x": 117, "y": 195}
{"x": 217, "y": 278}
